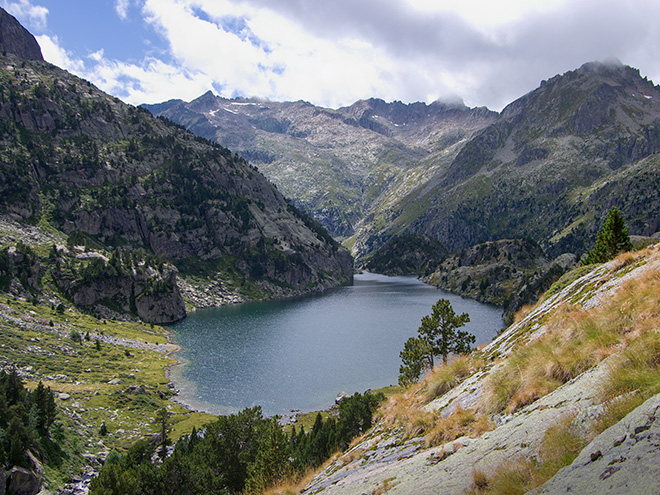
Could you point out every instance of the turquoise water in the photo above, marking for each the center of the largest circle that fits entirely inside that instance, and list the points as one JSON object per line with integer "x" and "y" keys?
{"x": 298, "y": 354}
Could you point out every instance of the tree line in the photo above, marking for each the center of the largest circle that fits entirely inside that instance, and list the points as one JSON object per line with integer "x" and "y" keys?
{"x": 241, "y": 453}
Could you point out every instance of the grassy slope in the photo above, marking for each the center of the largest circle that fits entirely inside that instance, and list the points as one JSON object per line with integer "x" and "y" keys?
{"x": 609, "y": 311}
{"x": 135, "y": 354}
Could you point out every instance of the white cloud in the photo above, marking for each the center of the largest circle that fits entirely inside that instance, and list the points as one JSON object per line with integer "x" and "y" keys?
{"x": 97, "y": 56}
{"x": 32, "y": 15}
{"x": 56, "y": 55}
{"x": 152, "y": 80}
{"x": 121, "y": 7}
{"x": 333, "y": 53}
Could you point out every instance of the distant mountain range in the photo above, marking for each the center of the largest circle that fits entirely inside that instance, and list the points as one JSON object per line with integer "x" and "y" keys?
{"x": 339, "y": 165}
{"x": 547, "y": 167}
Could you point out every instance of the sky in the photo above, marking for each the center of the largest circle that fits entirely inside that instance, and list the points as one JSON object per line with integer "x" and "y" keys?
{"x": 335, "y": 52}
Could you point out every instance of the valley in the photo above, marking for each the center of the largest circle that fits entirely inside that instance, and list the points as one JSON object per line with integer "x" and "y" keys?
{"x": 118, "y": 220}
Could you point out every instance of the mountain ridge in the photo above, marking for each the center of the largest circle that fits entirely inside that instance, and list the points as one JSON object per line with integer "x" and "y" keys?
{"x": 335, "y": 164}
{"x": 547, "y": 167}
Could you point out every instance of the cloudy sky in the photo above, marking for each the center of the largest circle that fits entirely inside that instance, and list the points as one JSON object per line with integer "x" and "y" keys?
{"x": 334, "y": 52}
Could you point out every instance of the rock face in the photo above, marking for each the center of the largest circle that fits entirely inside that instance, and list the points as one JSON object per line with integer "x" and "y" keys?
{"x": 337, "y": 164}
{"x": 622, "y": 459}
{"x": 507, "y": 273}
{"x": 449, "y": 468}
{"x": 151, "y": 294}
{"x": 16, "y": 40}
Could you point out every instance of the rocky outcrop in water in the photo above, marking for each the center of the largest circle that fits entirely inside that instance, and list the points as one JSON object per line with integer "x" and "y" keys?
{"x": 507, "y": 273}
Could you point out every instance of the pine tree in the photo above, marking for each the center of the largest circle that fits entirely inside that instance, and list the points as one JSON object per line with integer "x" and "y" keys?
{"x": 440, "y": 330}
{"x": 612, "y": 239}
{"x": 439, "y": 335}
{"x": 162, "y": 421}
{"x": 416, "y": 357}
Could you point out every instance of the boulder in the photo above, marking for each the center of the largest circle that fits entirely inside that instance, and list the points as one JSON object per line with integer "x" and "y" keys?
{"x": 23, "y": 482}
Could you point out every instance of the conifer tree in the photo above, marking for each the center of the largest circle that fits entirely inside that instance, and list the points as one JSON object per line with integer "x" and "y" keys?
{"x": 439, "y": 335}
{"x": 612, "y": 239}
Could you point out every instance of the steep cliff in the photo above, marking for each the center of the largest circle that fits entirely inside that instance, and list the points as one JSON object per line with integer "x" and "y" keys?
{"x": 16, "y": 40}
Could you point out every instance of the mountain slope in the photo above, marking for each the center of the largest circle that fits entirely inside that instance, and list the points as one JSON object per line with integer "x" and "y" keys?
{"x": 87, "y": 164}
{"x": 337, "y": 164}
{"x": 568, "y": 381}
{"x": 549, "y": 168}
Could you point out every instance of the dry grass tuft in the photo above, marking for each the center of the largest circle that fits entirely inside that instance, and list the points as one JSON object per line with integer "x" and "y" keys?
{"x": 479, "y": 480}
{"x": 296, "y": 485}
{"x": 559, "y": 448}
{"x": 442, "y": 379}
{"x": 577, "y": 340}
{"x": 522, "y": 313}
{"x": 510, "y": 478}
{"x": 462, "y": 422}
{"x": 405, "y": 410}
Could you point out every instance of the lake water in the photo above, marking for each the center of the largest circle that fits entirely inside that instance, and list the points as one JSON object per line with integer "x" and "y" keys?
{"x": 298, "y": 354}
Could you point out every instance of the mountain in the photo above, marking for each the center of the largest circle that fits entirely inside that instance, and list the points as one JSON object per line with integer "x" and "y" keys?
{"x": 338, "y": 165}
{"x": 548, "y": 167}
{"x": 115, "y": 179}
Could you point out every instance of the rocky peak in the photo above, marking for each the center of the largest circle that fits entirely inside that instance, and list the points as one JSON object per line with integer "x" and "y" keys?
{"x": 204, "y": 103}
{"x": 603, "y": 82}
{"x": 16, "y": 40}
{"x": 400, "y": 114}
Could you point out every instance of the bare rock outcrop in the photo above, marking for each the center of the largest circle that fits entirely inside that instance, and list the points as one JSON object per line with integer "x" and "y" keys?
{"x": 16, "y": 40}
{"x": 625, "y": 458}
{"x": 23, "y": 482}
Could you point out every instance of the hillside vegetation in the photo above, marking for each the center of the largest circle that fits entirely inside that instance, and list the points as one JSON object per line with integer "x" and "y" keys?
{"x": 96, "y": 172}
{"x": 548, "y": 168}
{"x": 555, "y": 384}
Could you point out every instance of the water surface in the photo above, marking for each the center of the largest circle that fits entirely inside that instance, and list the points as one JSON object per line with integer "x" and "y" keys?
{"x": 298, "y": 354}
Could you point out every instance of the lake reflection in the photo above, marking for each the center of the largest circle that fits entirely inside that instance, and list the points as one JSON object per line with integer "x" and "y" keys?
{"x": 300, "y": 353}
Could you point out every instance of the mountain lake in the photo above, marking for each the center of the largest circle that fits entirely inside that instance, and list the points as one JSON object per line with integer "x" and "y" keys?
{"x": 298, "y": 354}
